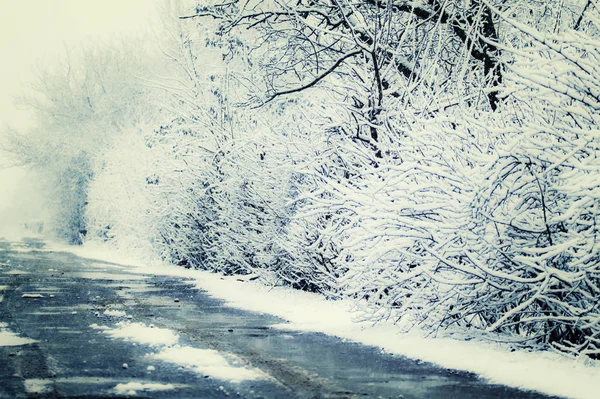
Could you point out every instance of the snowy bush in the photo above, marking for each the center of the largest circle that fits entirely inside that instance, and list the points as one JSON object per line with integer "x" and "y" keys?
{"x": 536, "y": 213}
{"x": 502, "y": 239}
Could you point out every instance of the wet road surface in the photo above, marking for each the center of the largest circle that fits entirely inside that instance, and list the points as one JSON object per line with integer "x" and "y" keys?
{"x": 58, "y": 301}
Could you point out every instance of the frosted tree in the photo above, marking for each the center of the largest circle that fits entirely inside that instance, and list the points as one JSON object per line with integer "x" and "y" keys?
{"x": 79, "y": 104}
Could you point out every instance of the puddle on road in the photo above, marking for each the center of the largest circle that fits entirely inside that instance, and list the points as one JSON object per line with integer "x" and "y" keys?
{"x": 68, "y": 308}
{"x": 416, "y": 384}
{"x": 42, "y": 288}
{"x": 159, "y": 301}
{"x": 139, "y": 288}
{"x": 56, "y": 328}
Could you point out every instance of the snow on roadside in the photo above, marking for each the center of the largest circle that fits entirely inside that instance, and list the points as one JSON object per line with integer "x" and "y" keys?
{"x": 94, "y": 251}
{"x": 545, "y": 372}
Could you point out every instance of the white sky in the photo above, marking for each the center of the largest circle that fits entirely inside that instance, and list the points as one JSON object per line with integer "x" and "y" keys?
{"x": 35, "y": 32}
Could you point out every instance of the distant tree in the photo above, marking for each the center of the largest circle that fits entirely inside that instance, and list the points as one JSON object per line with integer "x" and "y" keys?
{"x": 91, "y": 95}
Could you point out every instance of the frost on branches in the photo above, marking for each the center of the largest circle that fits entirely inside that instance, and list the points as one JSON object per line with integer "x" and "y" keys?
{"x": 536, "y": 214}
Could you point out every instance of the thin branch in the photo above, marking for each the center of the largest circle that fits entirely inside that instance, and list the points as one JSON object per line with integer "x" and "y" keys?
{"x": 317, "y": 79}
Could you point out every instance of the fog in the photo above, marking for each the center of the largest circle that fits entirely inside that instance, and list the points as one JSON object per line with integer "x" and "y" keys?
{"x": 32, "y": 36}
{"x": 20, "y": 202}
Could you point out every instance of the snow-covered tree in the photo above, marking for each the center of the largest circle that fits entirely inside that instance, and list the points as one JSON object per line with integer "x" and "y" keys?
{"x": 81, "y": 102}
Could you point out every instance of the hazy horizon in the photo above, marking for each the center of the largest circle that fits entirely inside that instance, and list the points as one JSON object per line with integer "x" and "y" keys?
{"x": 30, "y": 38}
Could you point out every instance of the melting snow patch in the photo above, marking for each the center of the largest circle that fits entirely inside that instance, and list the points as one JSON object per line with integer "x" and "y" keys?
{"x": 97, "y": 327}
{"x": 8, "y": 338}
{"x": 3, "y": 287}
{"x": 32, "y": 296}
{"x": 131, "y": 388}
{"x": 114, "y": 313}
{"x": 38, "y": 386}
{"x": 16, "y": 272}
{"x": 210, "y": 362}
{"x": 140, "y": 333}
{"x": 203, "y": 361}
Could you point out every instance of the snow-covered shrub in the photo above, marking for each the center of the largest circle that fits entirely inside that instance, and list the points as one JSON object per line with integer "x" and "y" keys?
{"x": 120, "y": 208}
{"x": 398, "y": 221}
{"x": 537, "y": 212}
{"x": 68, "y": 199}
{"x": 499, "y": 236}
{"x": 251, "y": 196}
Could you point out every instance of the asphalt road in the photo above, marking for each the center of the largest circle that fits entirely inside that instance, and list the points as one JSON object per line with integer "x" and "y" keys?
{"x": 56, "y": 300}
